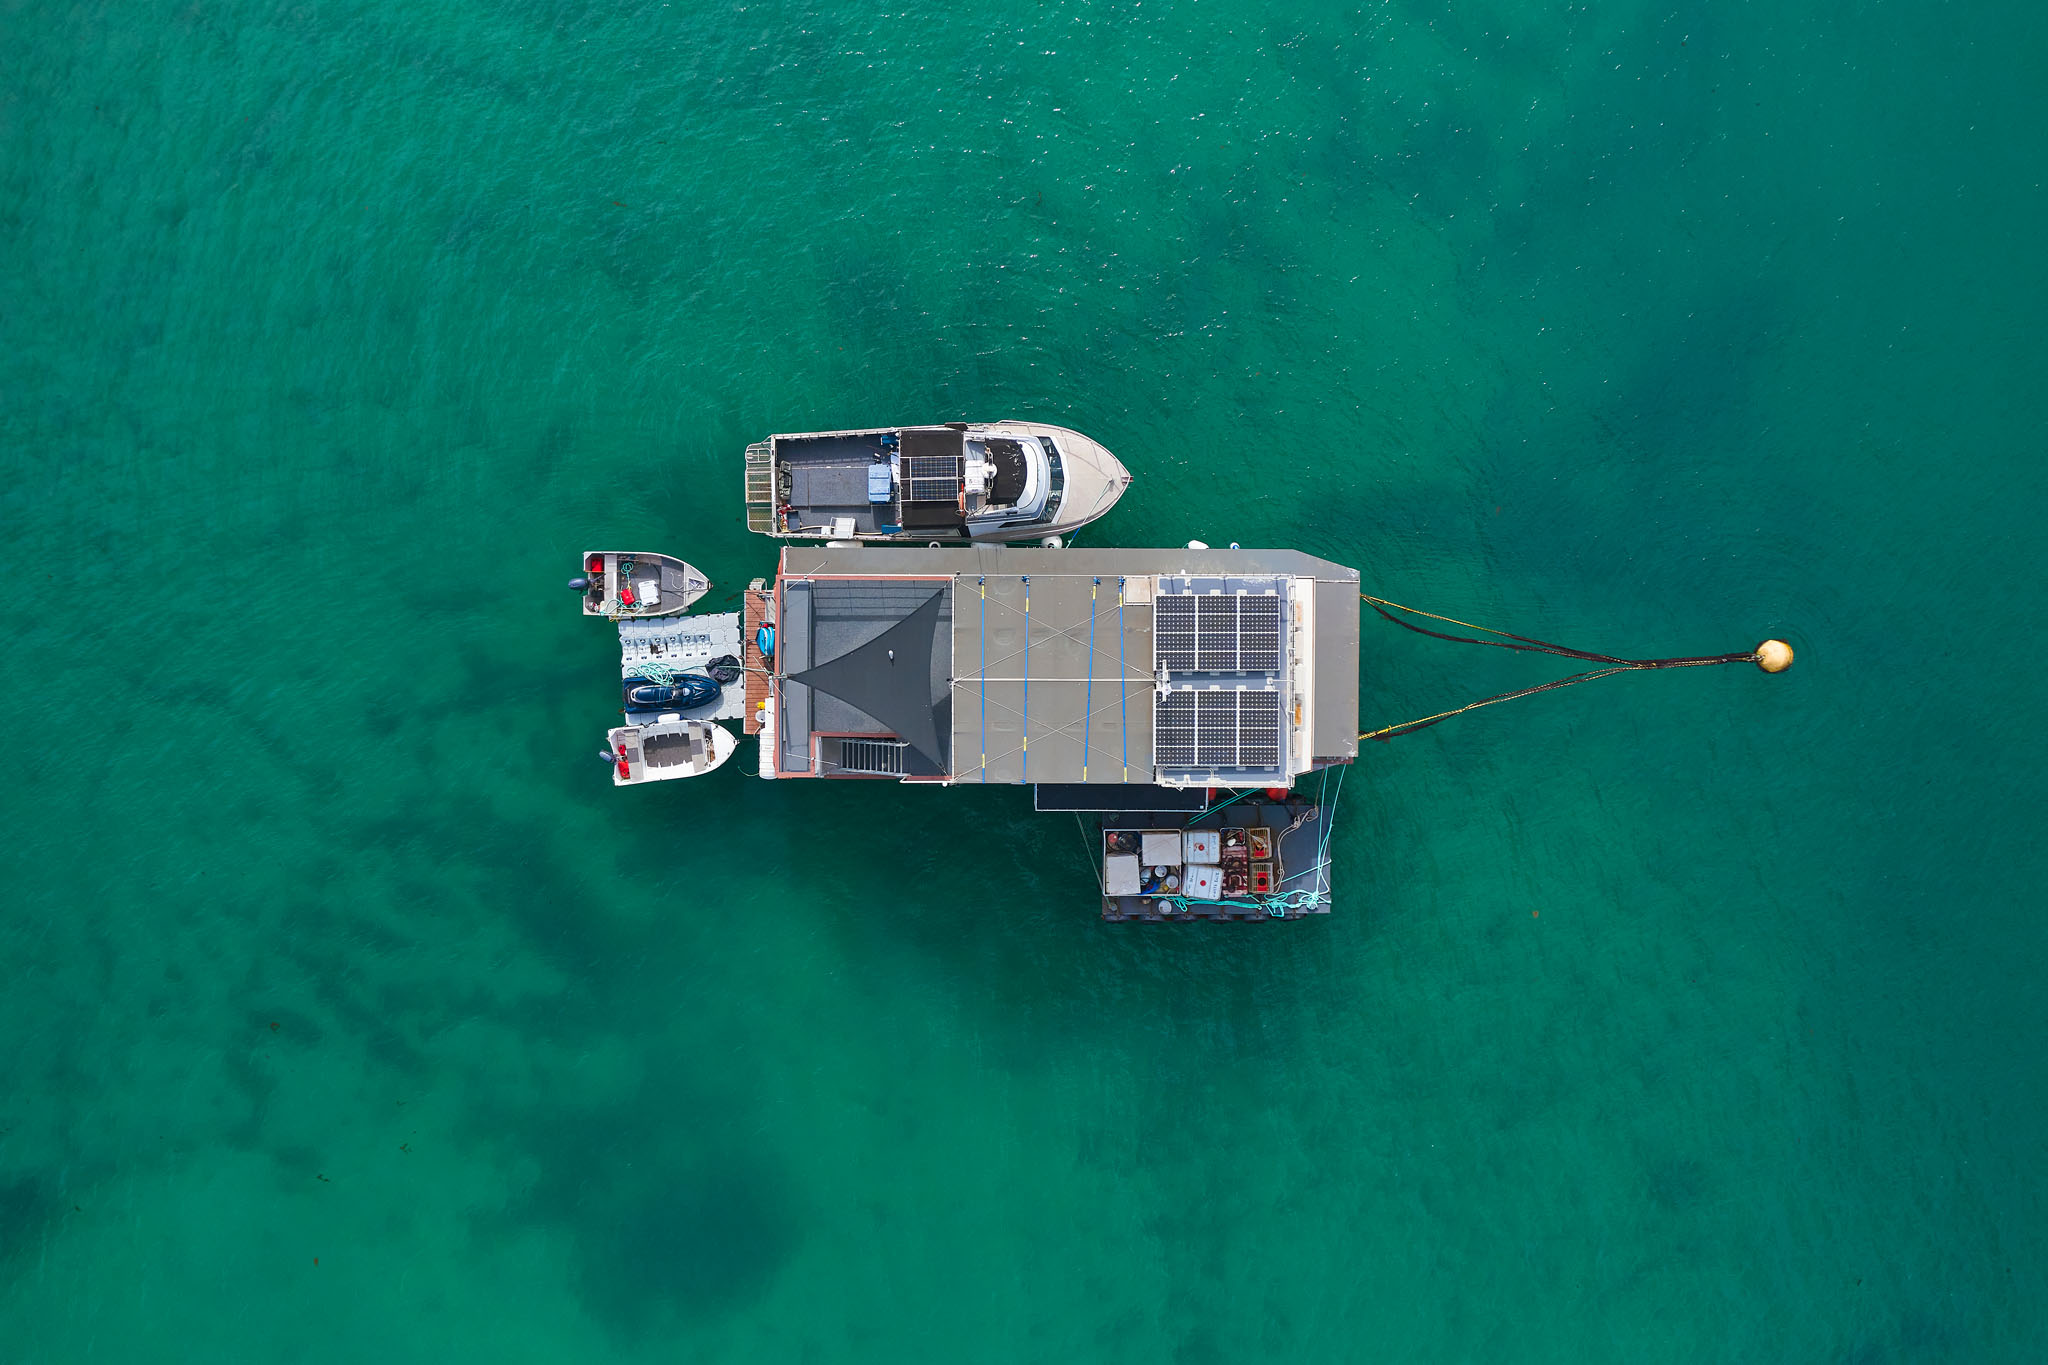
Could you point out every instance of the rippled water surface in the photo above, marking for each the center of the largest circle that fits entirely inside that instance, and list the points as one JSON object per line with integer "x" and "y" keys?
{"x": 350, "y": 1015}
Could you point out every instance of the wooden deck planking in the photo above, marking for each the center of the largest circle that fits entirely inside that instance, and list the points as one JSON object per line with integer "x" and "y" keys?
{"x": 754, "y": 614}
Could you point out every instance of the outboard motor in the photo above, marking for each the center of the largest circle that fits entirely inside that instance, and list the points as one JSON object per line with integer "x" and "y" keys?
{"x": 579, "y": 585}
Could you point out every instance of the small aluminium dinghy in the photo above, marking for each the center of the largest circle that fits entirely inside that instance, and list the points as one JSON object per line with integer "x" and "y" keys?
{"x": 627, "y": 586}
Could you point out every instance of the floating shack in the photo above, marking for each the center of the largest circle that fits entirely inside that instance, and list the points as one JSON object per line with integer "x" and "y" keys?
{"x": 1176, "y": 696}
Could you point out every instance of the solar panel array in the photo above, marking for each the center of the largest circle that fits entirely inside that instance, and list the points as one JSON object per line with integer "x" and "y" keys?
{"x": 1221, "y": 709}
{"x": 932, "y": 478}
{"x": 1217, "y": 729}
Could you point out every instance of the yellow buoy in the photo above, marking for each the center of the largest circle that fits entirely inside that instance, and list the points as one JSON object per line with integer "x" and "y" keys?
{"x": 1774, "y": 656}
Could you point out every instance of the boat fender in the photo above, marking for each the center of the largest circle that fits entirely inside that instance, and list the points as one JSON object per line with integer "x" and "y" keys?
{"x": 579, "y": 585}
{"x": 764, "y": 640}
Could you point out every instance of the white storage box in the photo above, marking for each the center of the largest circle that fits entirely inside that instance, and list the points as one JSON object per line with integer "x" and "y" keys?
{"x": 1120, "y": 874}
{"x": 1205, "y": 883}
{"x": 1162, "y": 850}
{"x": 1204, "y": 846}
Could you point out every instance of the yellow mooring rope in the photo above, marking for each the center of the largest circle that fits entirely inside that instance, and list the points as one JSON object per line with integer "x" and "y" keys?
{"x": 1773, "y": 656}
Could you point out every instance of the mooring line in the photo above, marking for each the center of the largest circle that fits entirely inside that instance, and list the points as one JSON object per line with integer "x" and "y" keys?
{"x": 1773, "y": 656}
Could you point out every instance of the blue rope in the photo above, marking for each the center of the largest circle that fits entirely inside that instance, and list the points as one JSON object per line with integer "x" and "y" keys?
{"x": 1122, "y": 686}
{"x": 1088, "y": 701}
{"x": 983, "y": 582}
{"x": 1024, "y": 746}
{"x": 1275, "y": 906}
{"x": 1330, "y": 814}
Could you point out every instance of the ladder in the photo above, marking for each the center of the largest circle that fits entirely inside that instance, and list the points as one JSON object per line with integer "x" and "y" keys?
{"x": 761, "y": 488}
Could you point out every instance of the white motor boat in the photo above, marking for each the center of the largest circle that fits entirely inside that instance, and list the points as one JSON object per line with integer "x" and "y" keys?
{"x": 990, "y": 481}
{"x": 667, "y": 747}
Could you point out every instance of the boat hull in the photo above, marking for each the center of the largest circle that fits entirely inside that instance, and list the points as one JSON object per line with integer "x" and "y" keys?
{"x": 1013, "y": 481}
{"x": 668, "y": 748}
{"x": 627, "y": 585}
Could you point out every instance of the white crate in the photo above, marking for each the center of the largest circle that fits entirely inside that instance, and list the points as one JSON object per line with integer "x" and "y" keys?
{"x": 1161, "y": 850}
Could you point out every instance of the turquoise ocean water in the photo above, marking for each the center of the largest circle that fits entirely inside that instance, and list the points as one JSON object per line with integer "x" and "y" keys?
{"x": 350, "y": 1015}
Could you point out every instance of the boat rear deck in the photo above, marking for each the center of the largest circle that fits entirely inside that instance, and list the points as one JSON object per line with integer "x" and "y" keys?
{"x": 827, "y": 488}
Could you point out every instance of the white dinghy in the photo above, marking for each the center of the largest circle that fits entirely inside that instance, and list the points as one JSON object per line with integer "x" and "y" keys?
{"x": 667, "y": 747}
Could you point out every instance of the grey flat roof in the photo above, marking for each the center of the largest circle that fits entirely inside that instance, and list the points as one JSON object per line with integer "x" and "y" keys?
{"x": 1040, "y": 706}
{"x": 1046, "y": 714}
{"x": 805, "y": 560}
{"x": 1335, "y": 724}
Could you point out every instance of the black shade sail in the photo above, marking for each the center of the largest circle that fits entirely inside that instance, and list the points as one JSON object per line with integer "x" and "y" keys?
{"x": 890, "y": 678}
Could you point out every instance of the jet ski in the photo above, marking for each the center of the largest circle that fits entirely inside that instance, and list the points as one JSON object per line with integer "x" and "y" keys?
{"x": 685, "y": 692}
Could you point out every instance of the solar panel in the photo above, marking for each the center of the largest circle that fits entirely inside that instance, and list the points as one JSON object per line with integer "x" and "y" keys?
{"x": 1258, "y": 634}
{"x": 1216, "y": 729}
{"x": 1258, "y": 730}
{"x": 1216, "y": 633}
{"x": 1173, "y": 633}
{"x": 932, "y": 478}
{"x": 1173, "y": 730}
